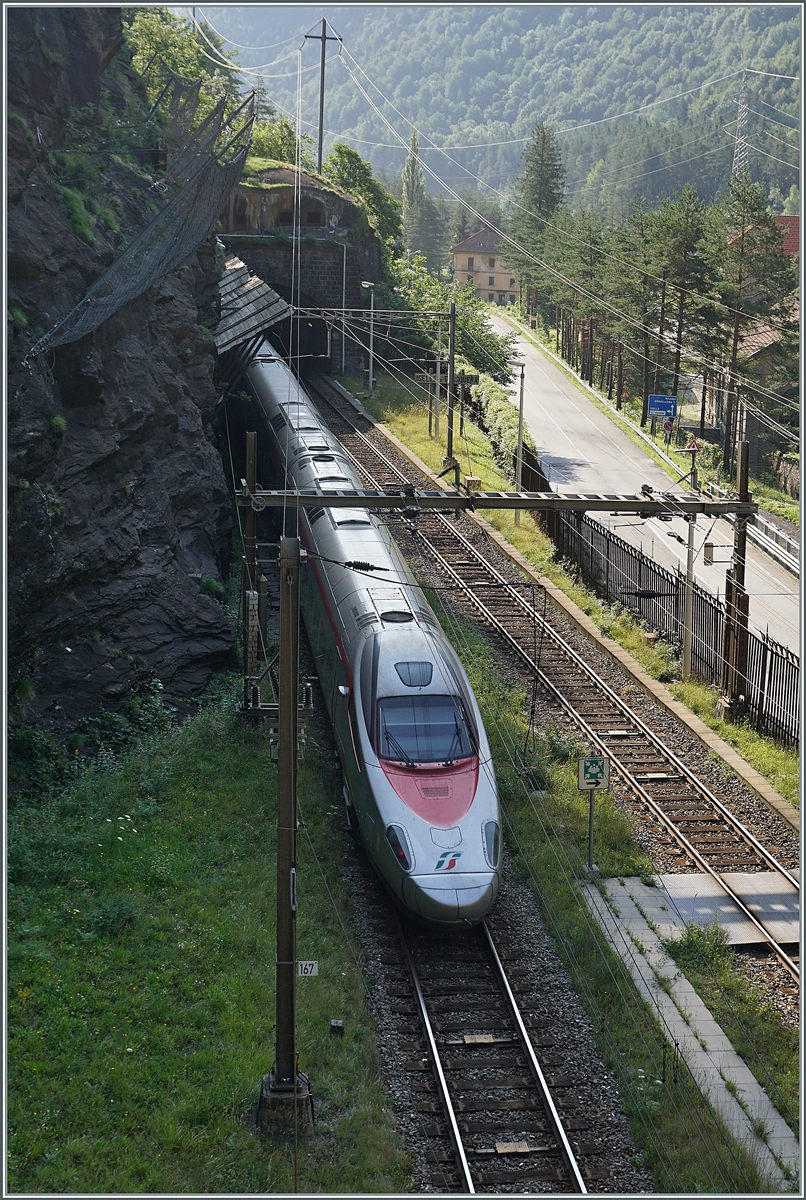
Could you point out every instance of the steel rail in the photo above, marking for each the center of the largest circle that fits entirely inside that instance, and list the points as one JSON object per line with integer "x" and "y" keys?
{"x": 566, "y": 1153}
{"x": 612, "y": 696}
{"x": 436, "y": 1062}
{"x": 585, "y": 667}
{"x": 623, "y": 769}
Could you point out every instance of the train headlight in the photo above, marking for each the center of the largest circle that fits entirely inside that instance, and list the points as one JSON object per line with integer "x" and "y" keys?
{"x": 492, "y": 843}
{"x": 396, "y": 837}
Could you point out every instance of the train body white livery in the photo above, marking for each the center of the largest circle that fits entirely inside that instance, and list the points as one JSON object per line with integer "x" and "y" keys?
{"x": 416, "y": 761}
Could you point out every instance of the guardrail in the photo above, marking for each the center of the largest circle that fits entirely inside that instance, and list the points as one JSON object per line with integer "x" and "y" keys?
{"x": 768, "y": 537}
{"x": 657, "y": 596}
{"x": 762, "y": 533}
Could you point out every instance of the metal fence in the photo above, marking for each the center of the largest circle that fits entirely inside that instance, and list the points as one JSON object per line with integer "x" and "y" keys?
{"x": 657, "y": 596}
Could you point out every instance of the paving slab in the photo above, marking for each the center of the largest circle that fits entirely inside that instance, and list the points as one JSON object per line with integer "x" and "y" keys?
{"x": 721, "y": 1074}
{"x": 683, "y": 899}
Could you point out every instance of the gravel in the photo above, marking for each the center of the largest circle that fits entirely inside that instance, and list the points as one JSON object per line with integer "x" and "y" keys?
{"x": 517, "y": 920}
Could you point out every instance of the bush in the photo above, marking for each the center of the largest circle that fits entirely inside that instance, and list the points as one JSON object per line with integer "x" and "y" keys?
{"x": 498, "y": 418}
{"x": 214, "y": 588}
{"x": 80, "y": 219}
{"x": 58, "y": 425}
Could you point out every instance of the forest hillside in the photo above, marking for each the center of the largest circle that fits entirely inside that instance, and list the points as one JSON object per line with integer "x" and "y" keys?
{"x": 480, "y": 78}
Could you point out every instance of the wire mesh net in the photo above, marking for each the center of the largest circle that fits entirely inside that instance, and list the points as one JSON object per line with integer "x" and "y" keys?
{"x": 203, "y": 167}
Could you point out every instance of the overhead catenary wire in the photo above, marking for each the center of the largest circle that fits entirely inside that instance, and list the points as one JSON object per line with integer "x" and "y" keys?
{"x": 556, "y": 841}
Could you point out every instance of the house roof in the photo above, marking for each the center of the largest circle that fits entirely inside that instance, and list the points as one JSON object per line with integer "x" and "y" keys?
{"x": 791, "y": 243}
{"x": 485, "y": 239}
{"x": 767, "y": 332}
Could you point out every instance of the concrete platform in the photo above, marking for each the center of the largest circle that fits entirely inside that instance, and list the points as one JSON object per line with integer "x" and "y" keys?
{"x": 681, "y": 899}
{"x": 721, "y": 1074}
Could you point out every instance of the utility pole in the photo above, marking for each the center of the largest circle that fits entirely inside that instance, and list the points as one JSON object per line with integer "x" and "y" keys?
{"x": 740, "y": 145}
{"x": 689, "y": 601}
{"x": 250, "y": 596}
{"x": 365, "y": 283}
{"x": 736, "y": 601}
{"x": 439, "y": 378}
{"x": 323, "y": 37}
{"x": 285, "y": 1098}
{"x": 343, "y": 299}
{"x": 451, "y": 373}
{"x": 519, "y": 456}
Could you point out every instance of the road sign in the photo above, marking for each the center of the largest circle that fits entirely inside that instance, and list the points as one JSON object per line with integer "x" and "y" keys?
{"x": 308, "y": 967}
{"x": 663, "y": 405}
{"x": 693, "y": 446}
{"x": 594, "y": 773}
{"x": 668, "y": 426}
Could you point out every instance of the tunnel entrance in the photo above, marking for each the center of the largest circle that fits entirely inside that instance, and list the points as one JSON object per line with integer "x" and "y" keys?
{"x": 302, "y": 336}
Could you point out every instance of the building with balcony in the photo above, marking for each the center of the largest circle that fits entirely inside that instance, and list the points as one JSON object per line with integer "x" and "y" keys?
{"x": 477, "y": 259}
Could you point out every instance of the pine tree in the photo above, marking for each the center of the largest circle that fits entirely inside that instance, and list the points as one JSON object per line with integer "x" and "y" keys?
{"x": 753, "y": 274}
{"x": 678, "y": 235}
{"x": 538, "y": 195}
{"x": 414, "y": 198}
{"x": 422, "y": 220}
{"x": 539, "y": 189}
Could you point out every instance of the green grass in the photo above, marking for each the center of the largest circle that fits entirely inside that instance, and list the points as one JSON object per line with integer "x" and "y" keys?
{"x": 141, "y": 980}
{"x": 756, "y": 1029}
{"x": 81, "y": 220}
{"x": 777, "y": 764}
{"x": 680, "y": 1138}
{"x": 404, "y": 413}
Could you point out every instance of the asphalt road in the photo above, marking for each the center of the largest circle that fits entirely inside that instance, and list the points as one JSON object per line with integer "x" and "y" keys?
{"x": 583, "y": 450}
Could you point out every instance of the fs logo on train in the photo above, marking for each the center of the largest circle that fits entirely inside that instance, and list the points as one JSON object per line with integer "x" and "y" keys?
{"x": 594, "y": 774}
{"x": 447, "y": 861}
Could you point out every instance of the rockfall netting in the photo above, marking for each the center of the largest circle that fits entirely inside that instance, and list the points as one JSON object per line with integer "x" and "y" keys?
{"x": 203, "y": 165}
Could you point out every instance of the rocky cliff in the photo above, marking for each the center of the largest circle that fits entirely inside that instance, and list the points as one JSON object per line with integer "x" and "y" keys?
{"x": 118, "y": 511}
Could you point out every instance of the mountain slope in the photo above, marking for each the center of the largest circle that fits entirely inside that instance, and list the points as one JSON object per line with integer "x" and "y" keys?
{"x": 474, "y": 75}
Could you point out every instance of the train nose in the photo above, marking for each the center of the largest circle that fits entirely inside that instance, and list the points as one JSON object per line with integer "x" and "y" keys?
{"x": 455, "y": 899}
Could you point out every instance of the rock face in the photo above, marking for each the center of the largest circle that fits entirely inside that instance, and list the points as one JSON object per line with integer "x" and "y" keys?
{"x": 118, "y": 508}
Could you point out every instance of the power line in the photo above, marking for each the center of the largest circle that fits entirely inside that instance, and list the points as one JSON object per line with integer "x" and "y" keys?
{"x": 596, "y": 300}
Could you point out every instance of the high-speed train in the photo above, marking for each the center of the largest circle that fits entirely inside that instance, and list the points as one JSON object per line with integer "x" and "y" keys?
{"x": 419, "y": 780}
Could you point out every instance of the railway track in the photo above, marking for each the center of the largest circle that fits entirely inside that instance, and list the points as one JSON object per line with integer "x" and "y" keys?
{"x": 494, "y": 1101}
{"x": 658, "y": 785}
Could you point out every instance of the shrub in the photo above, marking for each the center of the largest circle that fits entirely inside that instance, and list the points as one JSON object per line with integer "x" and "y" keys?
{"x": 82, "y": 221}
{"x": 58, "y": 425}
{"x": 215, "y": 589}
{"x": 17, "y": 315}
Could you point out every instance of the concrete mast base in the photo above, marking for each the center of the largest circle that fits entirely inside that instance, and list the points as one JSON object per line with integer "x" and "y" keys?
{"x": 283, "y": 1105}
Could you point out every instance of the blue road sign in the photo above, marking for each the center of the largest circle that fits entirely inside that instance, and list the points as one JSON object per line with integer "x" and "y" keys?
{"x": 665, "y": 405}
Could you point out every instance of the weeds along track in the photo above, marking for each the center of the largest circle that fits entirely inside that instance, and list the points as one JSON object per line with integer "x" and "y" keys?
{"x": 687, "y": 816}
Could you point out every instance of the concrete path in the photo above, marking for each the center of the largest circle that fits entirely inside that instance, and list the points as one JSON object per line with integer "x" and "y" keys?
{"x": 583, "y": 450}
{"x": 721, "y": 1074}
{"x": 698, "y": 898}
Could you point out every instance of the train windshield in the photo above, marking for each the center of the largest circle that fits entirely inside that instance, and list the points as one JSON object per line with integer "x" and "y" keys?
{"x": 423, "y": 729}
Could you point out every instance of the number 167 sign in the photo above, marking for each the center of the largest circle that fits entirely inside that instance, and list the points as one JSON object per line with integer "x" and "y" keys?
{"x": 594, "y": 773}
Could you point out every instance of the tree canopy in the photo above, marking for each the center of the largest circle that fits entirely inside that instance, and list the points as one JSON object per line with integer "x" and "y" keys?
{"x": 348, "y": 170}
